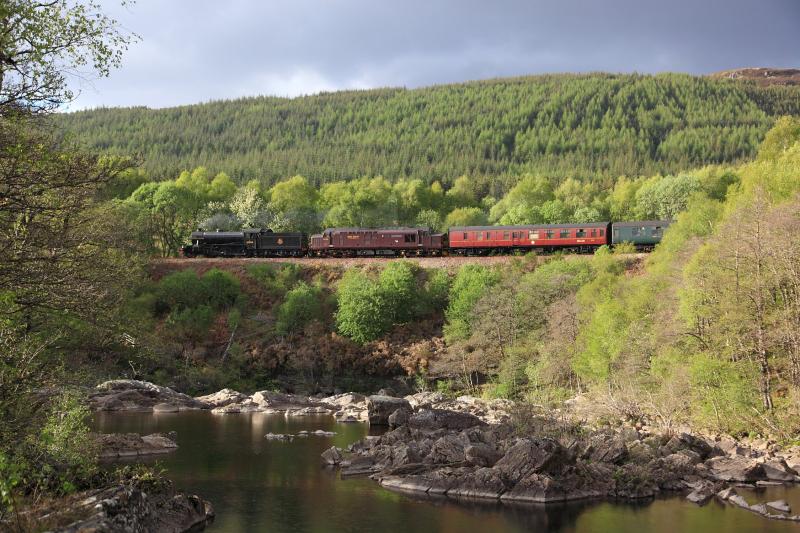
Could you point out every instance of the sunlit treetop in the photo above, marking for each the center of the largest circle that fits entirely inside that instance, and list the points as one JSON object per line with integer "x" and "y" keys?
{"x": 46, "y": 45}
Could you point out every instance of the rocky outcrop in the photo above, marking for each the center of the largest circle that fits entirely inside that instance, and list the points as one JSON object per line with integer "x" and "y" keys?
{"x": 133, "y": 395}
{"x": 113, "y": 446}
{"x": 730, "y": 496}
{"x": 380, "y": 408}
{"x": 132, "y": 509}
{"x": 223, "y": 398}
{"x": 735, "y": 468}
{"x": 458, "y": 454}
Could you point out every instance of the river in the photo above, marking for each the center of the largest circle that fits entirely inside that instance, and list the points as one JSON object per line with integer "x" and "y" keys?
{"x": 257, "y": 484}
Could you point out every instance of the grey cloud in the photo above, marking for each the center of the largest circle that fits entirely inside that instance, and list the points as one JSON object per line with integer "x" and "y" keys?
{"x": 197, "y": 50}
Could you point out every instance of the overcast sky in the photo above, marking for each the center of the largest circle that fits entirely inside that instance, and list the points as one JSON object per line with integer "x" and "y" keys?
{"x": 199, "y": 50}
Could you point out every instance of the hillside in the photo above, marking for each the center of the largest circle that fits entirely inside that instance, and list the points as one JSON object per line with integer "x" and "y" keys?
{"x": 598, "y": 125}
{"x": 762, "y": 76}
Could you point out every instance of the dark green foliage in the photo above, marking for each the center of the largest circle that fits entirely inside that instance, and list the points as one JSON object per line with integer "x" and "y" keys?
{"x": 276, "y": 279}
{"x": 437, "y": 289}
{"x": 563, "y": 125}
{"x": 221, "y": 289}
{"x": 302, "y": 305}
{"x": 363, "y": 313}
{"x": 190, "y": 323}
{"x": 398, "y": 283}
{"x": 402, "y": 292}
{"x": 469, "y": 285}
{"x": 184, "y": 289}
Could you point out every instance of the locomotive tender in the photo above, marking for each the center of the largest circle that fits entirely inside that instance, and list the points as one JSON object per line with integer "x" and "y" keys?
{"x": 408, "y": 242}
{"x": 251, "y": 242}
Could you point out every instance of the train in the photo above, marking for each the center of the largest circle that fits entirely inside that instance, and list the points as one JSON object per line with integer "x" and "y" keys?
{"x": 644, "y": 235}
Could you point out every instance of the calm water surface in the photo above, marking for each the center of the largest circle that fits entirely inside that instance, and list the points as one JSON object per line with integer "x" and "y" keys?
{"x": 260, "y": 485}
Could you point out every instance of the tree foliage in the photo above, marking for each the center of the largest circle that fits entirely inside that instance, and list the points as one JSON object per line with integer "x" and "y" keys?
{"x": 43, "y": 44}
{"x": 595, "y": 126}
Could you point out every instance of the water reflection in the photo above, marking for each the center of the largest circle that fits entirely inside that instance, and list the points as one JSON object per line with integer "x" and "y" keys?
{"x": 261, "y": 485}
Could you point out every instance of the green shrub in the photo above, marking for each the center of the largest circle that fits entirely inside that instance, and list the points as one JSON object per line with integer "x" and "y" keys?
{"x": 176, "y": 290}
{"x": 302, "y": 305}
{"x": 219, "y": 289}
{"x": 726, "y": 393}
{"x": 469, "y": 285}
{"x": 363, "y": 313}
{"x": 184, "y": 289}
{"x": 275, "y": 279}
{"x": 190, "y": 324}
{"x": 437, "y": 288}
{"x": 398, "y": 283}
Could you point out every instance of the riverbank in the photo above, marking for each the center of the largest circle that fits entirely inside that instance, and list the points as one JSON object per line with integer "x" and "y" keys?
{"x": 467, "y": 448}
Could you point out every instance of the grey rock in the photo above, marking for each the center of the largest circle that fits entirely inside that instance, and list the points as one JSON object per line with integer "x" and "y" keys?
{"x": 529, "y": 456}
{"x": 449, "y": 449}
{"x": 379, "y": 408}
{"x": 134, "y": 395}
{"x": 435, "y": 419}
{"x": 780, "y": 505}
{"x": 703, "y": 491}
{"x": 332, "y": 456}
{"x": 399, "y": 418}
{"x": 124, "y": 445}
{"x": 480, "y": 454}
{"x": 778, "y": 470}
{"x": 735, "y": 468}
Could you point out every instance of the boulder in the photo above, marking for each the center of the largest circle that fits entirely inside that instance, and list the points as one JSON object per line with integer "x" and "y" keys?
{"x": 436, "y": 419}
{"x": 347, "y": 399}
{"x": 332, "y": 456}
{"x": 702, "y": 491}
{"x": 124, "y": 445}
{"x": 735, "y": 468}
{"x": 529, "y": 456}
{"x": 129, "y": 508}
{"x": 778, "y": 470}
{"x": 483, "y": 483}
{"x": 780, "y": 505}
{"x": 448, "y": 449}
{"x": 223, "y": 397}
{"x": 480, "y": 454}
{"x": 379, "y": 408}
{"x": 134, "y": 395}
{"x": 425, "y": 399}
{"x": 399, "y": 418}
{"x": 696, "y": 444}
{"x": 608, "y": 449}
{"x": 266, "y": 398}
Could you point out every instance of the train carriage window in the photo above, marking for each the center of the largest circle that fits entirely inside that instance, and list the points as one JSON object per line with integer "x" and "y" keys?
{"x": 602, "y": 232}
{"x": 594, "y": 233}
{"x": 533, "y": 235}
{"x": 488, "y": 235}
{"x": 657, "y": 231}
{"x": 480, "y": 235}
{"x": 581, "y": 233}
{"x": 410, "y": 237}
{"x": 564, "y": 234}
{"x": 505, "y": 235}
{"x": 549, "y": 234}
{"x": 515, "y": 235}
{"x": 635, "y": 232}
{"x": 465, "y": 236}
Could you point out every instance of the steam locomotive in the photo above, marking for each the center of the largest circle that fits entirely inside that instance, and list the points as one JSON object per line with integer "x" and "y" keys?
{"x": 421, "y": 242}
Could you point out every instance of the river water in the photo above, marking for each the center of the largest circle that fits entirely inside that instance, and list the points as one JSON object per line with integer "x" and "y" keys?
{"x": 260, "y": 485}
